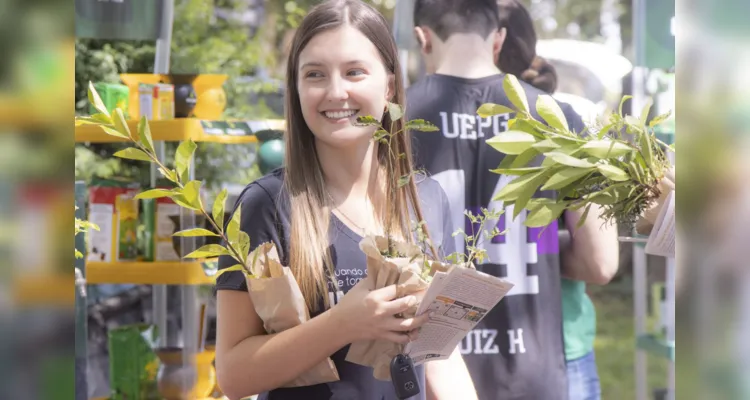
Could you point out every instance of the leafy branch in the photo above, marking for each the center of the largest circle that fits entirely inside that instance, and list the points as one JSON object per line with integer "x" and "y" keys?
{"x": 386, "y": 136}
{"x": 82, "y": 226}
{"x": 478, "y": 232}
{"x": 603, "y": 167}
{"x": 186, "y": 193}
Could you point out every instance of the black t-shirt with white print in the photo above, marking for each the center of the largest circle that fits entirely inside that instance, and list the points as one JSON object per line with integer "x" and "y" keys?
{"x": 265, "y": 217}
{"x": 516, "y": 351}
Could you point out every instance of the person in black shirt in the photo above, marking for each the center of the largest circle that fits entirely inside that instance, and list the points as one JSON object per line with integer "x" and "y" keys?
{"x": 331, "y": 193}
{"x": 516, "y": 352}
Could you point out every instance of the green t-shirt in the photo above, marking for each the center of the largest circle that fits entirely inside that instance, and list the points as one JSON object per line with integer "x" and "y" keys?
{"x": 579, "y": 319}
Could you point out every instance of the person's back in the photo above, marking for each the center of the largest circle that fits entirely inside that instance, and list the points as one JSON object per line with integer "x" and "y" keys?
{"x": 516, "y": 351}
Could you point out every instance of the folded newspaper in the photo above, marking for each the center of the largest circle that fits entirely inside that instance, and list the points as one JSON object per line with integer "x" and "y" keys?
{"x": 458, "y": 299}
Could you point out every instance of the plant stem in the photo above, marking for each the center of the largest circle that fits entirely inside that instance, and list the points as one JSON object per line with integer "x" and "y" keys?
{"x": 179, "y": 184}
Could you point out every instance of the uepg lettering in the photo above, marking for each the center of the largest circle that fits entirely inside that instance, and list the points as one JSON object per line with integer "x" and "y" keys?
{"x": 472, "y": 126}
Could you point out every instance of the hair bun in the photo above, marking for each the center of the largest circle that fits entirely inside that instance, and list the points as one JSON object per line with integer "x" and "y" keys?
{"x": 541, "y": 74}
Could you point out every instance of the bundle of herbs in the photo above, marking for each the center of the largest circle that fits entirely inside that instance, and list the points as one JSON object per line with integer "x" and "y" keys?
{"x": 617, "y": 165}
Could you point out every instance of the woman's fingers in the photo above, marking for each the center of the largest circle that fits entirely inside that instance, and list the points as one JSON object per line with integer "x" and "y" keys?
{"x": 406, "y": 324}
{"x": 397, "y": 337}
{"x": 400, "y": 305}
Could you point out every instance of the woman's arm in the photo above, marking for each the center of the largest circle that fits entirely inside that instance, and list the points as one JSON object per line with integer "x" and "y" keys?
{"x": 593, "y": 253}
{"x": 449, "y": 379}
{"x": 249, "y": 361}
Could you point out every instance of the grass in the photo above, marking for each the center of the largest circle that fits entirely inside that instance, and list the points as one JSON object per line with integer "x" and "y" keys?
{"x": 615, "y": 343}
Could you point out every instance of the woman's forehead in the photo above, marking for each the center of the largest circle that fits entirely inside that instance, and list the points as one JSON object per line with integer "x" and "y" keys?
{"x": 342, "y": 45}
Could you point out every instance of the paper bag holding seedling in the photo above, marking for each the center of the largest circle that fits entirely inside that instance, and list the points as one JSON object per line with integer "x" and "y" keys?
{"x": 382, "y": 270}
{"x": 279, "y": 303}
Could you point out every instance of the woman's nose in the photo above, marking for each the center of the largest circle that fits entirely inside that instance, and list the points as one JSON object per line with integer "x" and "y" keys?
{"x": 338, "y": 89}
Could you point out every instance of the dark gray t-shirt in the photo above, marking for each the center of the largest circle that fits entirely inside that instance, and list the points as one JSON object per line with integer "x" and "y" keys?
{"x": 516, "y": 351}
{"x": 265, "y": 217}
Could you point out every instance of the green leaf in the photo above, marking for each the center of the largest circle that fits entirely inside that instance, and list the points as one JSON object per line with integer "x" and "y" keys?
{"x": 622, "y": 102}
{"x": 548, "y": 109}
{"x": 660, "y": 118}
{"x": 112, "y": 132}
{"x": 194, "y": 232}
{"x": 512, "y": 142}
{"x": 564, "y": 159}
{"x": 646, "y": 150}
{"x": 565, "y": 177}
{"x": 516, "y": 171}
{"x": 244, "y": 246}
{"x": 507, "y": 161}
{"x": 515, "y": 93}
{"x": 544, "y": 214}
{"x": 612, "y": 172}
{"x": 525, "y": 194}
{"x": 144, "y": 133}
{"x": 395, "y": 111}
{"x": 154, "y": 194}
{"x": 209, "y": 250}
{"x": 605, "y": 130}
{"x": 519, "y": 186}
{"x": 218, "y": 209}
{"x": 606, "y": 148}
{"x": 584, "y": 216}
{"x": 96, "y": 101}
{"x": 191, "y": 192}
{"x": 169, "y": 174}
{"x": 545, "y": 145}
{"x": 182, "y": 158}
{"x": 421, "y": 125}
{"x": 525, "y": 158}
{"x": 490, "y": 110}
{"x": 182, "y": 201}
{"x": 96, "y": 119}
{"x": 233, "y": 228}
{"x": 235, "y": 267}
{"x": 632, "y": 122}
{"x": 132, "y": 153}
{"x": 646, "y": 110}
{"x": 404, "y": 180}
{"x": 367, "y": 121}
{"x": 121, "y": 124}
{"x": 380, "y": 134}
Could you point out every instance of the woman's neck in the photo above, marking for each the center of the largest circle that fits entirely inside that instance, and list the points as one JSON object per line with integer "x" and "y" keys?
{"x": 350, "y": 172}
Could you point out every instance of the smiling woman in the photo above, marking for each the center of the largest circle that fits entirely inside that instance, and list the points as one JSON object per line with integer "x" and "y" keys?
{"x": 334, "y": 190}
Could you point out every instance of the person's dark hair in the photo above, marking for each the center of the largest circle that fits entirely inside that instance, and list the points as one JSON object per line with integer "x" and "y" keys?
{"x": 446, "y": 17}
{"x": 518, "y": 55}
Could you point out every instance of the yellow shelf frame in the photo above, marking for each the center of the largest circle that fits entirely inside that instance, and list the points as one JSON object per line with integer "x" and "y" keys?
{"x": 149, "y": 272}
{"x": 49, "y": 290}
{"x": 174, "y": 130}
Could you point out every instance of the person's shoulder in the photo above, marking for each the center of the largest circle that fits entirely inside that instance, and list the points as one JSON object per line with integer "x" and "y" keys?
{"x": 428, "y": 188}
{"x": 264, "y": 191}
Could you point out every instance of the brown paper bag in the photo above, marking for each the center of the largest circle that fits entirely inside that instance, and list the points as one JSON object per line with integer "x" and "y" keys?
{"x": 405, "y": 272}
{"x": 279, "y": 303}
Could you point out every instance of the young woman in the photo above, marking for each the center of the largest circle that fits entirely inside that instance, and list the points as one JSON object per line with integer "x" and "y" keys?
{"x": 332, "y": 192}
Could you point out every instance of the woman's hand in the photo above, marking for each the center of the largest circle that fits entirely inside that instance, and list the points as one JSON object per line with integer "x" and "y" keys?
{"x": 648, "y": 219}
{"x": 365, "y": 315}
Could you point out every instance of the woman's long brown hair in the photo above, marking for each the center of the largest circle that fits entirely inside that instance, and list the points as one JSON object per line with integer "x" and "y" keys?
{"x": 309, "y": 256}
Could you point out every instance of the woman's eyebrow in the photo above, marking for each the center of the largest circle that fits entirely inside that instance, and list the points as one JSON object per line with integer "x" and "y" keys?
{"x": 319, "y": 64}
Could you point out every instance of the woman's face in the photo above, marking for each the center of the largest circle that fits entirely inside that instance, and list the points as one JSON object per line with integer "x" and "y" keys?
{"x": 342, "y": 77}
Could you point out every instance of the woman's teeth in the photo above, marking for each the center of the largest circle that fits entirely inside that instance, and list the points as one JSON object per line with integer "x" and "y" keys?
{"x": 339, "y": 114}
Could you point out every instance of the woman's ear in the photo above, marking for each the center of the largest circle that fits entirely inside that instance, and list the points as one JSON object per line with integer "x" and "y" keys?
{"x": 390, "y": 89}
{"x": 424, "y": 39}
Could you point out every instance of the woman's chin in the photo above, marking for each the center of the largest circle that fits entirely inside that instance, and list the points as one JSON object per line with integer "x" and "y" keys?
{"x": 351, "y": 136}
